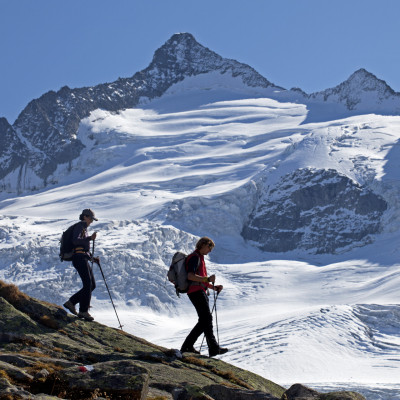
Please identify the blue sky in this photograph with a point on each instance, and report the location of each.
(311, 44)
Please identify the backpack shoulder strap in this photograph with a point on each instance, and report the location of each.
(189, 257)
(193, 283)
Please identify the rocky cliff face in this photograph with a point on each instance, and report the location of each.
(13, 153)
(46, 354)
(321, 211)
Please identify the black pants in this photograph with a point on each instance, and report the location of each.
(81, 264)
(205, 324)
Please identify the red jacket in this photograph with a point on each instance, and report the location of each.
(195, 263)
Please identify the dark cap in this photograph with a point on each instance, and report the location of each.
(89, 213)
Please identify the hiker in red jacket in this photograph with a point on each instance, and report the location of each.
(200, 282)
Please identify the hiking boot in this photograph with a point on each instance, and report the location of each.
(71, 307)
(85, 315)
(189, 350)
(217, 351)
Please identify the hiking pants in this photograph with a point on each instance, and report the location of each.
(205, 324)
(81, 264)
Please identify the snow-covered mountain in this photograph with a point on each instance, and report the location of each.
(49, 124)
(303, 209)
(362, 92)
(45, 132)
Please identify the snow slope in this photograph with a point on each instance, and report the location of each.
(192, 163)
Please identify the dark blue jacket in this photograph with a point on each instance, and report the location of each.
(80, 237)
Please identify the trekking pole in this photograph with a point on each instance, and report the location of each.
(214, 307)
(101, 270)
(104, 278)
(216, 316)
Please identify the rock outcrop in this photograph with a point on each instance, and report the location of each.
(47, 354)
(13, 154)
(320, 211)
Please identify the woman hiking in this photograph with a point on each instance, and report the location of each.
(197, 274)
(80, 260)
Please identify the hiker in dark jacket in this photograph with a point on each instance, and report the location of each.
(197, 274)
(80, 260)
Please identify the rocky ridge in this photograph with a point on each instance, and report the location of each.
(47, 354)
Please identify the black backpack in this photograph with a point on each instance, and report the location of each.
(66, 245)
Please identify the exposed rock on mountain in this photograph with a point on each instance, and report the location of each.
(317, 210)
(47, 354)
(13, 153)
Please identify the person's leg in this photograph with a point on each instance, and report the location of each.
(84, 295)
(199, 300)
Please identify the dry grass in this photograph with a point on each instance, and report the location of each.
(231, 377)
(35, 354)
(29, 342)
(195, 361)
(39, 365)
(58, 349)
(12, 294)
(28, 305)
(228, 375)
(49, 322)
(3, 374)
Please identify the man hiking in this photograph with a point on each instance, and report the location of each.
(197, 275)
(80, 260)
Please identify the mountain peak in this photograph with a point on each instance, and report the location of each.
(363, 72)
(362, 91)
(182, 50)
(365, 80)
(182, 56)
(182, 37)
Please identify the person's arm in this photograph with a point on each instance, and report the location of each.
(203, 279)
(192, 267)
(207, 280)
